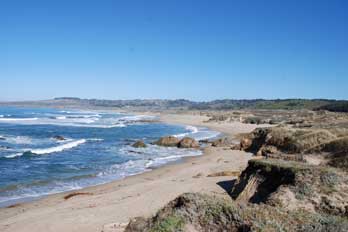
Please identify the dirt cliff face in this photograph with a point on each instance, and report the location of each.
(260, 180)
(293, 185)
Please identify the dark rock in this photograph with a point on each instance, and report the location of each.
(253, 120)
(204, 141)
(245, 143)
(58, 137)
(139, 144)
(168, 141)
(188, 143)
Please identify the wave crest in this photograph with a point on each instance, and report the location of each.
(44, 151)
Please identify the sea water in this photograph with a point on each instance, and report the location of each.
(96, 149)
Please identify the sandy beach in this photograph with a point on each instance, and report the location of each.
(109, 207)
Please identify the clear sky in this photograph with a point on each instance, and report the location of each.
(194, 49)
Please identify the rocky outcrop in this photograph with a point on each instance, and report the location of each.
(188, 143)
(260, 179)
(245, 143)
(58, 137)
(171, 141)
(168, 141)
(139, 144)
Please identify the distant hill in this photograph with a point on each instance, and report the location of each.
(162, 104)
(337, 106)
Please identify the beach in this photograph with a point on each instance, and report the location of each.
(108, 207)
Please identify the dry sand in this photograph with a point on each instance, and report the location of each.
(108, 207)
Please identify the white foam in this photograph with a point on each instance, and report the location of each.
(96, 139)
(1, 116)
(43, 151)
(80, 119)
(154, 156)
(14, 155)
(136, 117)
(58, 148)
(17, 119)
(192, 129)
(18, 139)
(129, 168)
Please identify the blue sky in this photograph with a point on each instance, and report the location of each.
(194, 49)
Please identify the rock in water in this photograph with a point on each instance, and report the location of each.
(139, 144)
(168, 141)
(58, 137)
(188, 143)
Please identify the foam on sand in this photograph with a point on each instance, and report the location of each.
(155, 156)
(198, 133)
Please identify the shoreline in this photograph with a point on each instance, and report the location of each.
(29, 199)
(138, 195)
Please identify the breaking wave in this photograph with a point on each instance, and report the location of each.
(44, 151)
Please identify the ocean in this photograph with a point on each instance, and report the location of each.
(35, 161)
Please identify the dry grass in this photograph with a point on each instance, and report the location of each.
(207, 213)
